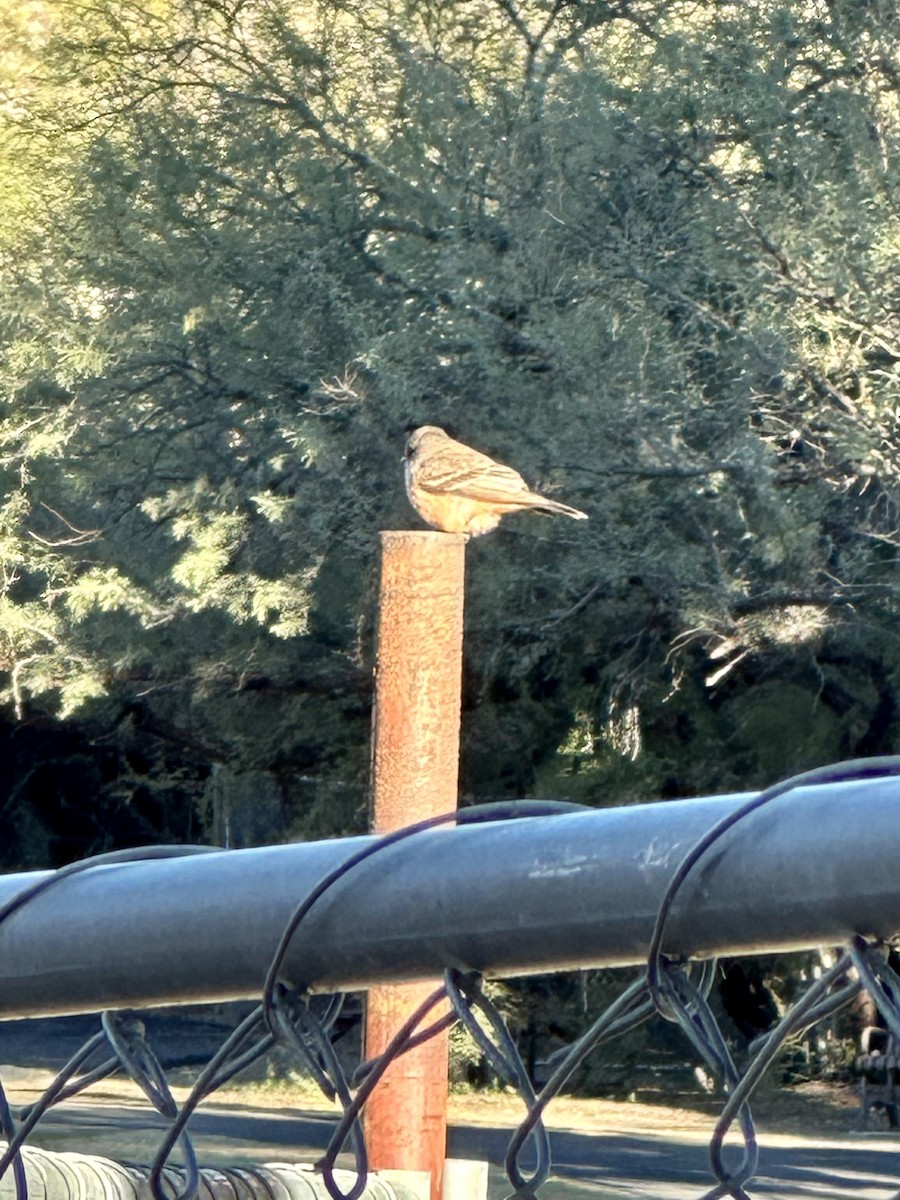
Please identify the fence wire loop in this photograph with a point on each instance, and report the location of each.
(627, 1012)
(691, 1010)
(499, 1047)
(126, 1033)
(301, 1031)
(879, 979)
(813, 1006)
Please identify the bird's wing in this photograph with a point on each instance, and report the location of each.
(473, 475)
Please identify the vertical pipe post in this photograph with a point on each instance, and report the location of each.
(415, 768)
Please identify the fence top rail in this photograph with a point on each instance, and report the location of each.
(546, 893)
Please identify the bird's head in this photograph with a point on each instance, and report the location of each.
(423, 437)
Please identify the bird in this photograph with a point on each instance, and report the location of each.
(460, 490)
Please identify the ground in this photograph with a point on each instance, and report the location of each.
(811, 1110)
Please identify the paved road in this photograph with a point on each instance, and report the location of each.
(677, 1168)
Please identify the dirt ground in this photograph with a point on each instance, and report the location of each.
(811, 1110)
(806, 1110)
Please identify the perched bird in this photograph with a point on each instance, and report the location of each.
(458, 490)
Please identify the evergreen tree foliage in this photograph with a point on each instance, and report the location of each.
(647, 253)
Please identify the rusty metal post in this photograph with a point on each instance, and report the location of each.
(415, 769)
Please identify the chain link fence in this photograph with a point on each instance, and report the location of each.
(300, 1025)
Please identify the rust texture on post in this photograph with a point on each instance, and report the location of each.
(405, 1119)
(415, 767)
(418, 677)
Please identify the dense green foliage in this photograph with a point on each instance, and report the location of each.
(649, 253)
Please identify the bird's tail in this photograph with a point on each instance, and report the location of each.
(556, 506)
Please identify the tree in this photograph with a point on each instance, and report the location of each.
(647, 253)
